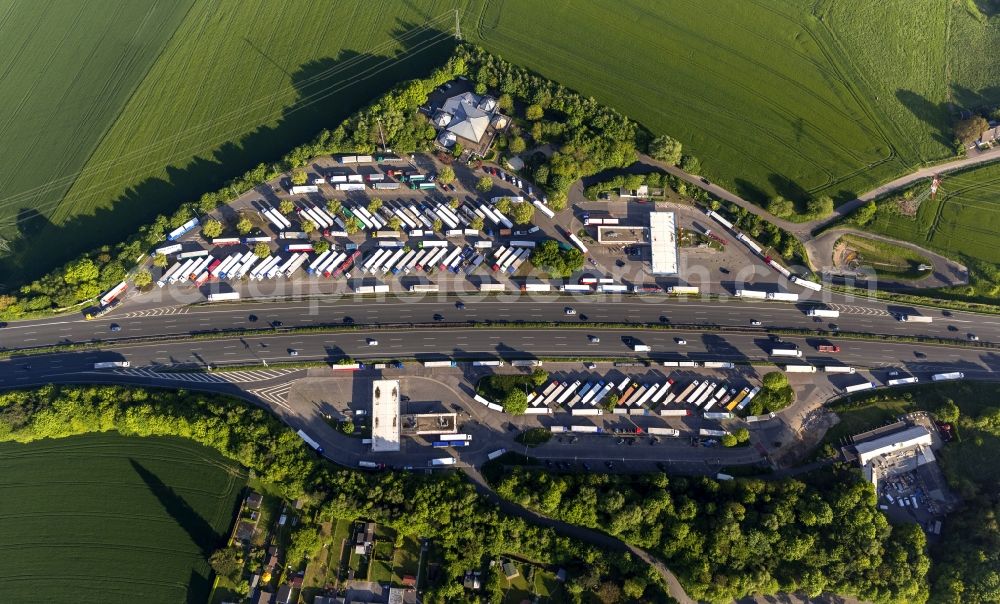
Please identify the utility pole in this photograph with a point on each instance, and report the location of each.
(458, 27)
(380, 135)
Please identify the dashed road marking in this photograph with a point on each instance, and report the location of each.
(156, 312)
(231, 377)
(850, 309)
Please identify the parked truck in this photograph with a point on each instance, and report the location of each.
(310, 441)
(786, 352)
(941, 377)
(442, 461)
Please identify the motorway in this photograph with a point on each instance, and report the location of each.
(436, 342)
(857, 315)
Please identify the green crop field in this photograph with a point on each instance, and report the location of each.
(789, 97)
(229, 84)
(104, 518)
(963, 220)
(118, 112)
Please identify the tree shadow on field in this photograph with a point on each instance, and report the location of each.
(201, 532)
(935, 115)
(198, 588)
(789, 189)
(750, 191)
(329, 90)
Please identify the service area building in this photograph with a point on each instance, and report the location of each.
(385, 415)
(899, 451)
(663, 243)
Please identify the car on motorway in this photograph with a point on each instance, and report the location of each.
(594, 339)
(590, 366)
(919, 355)
(460, 305)
(116, 327)
(681, 341)
(973, 337)
(292, 352)
(372, 342)
(570, 311)
(252, 318)
(438, 317)
(755, 323)
(275, 323)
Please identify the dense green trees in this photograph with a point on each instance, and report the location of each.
(587, 136)
(211, 229)
(666, 149)
(516, 402)
(484, 184)
(726, 540)
(968, 130)
(557, 261)
(503, 205)
(446, 175)
(780, 207)
(142, 278)
(967, 560)
(243, 225)
(262, 250)
(522, 213)
(775, 394)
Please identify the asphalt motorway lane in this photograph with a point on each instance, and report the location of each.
(443, 342)
(856, 315)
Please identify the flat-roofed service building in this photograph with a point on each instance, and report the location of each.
(663, 243)
(385, 415)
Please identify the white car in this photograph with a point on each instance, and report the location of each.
(372, 342)
(594, 339)
(570, 311)
(681, 342)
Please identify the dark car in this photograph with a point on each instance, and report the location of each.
(460, 305)
(116, 327)
(252, 318)
(438, 317)
(275, 323)
(451, 187)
